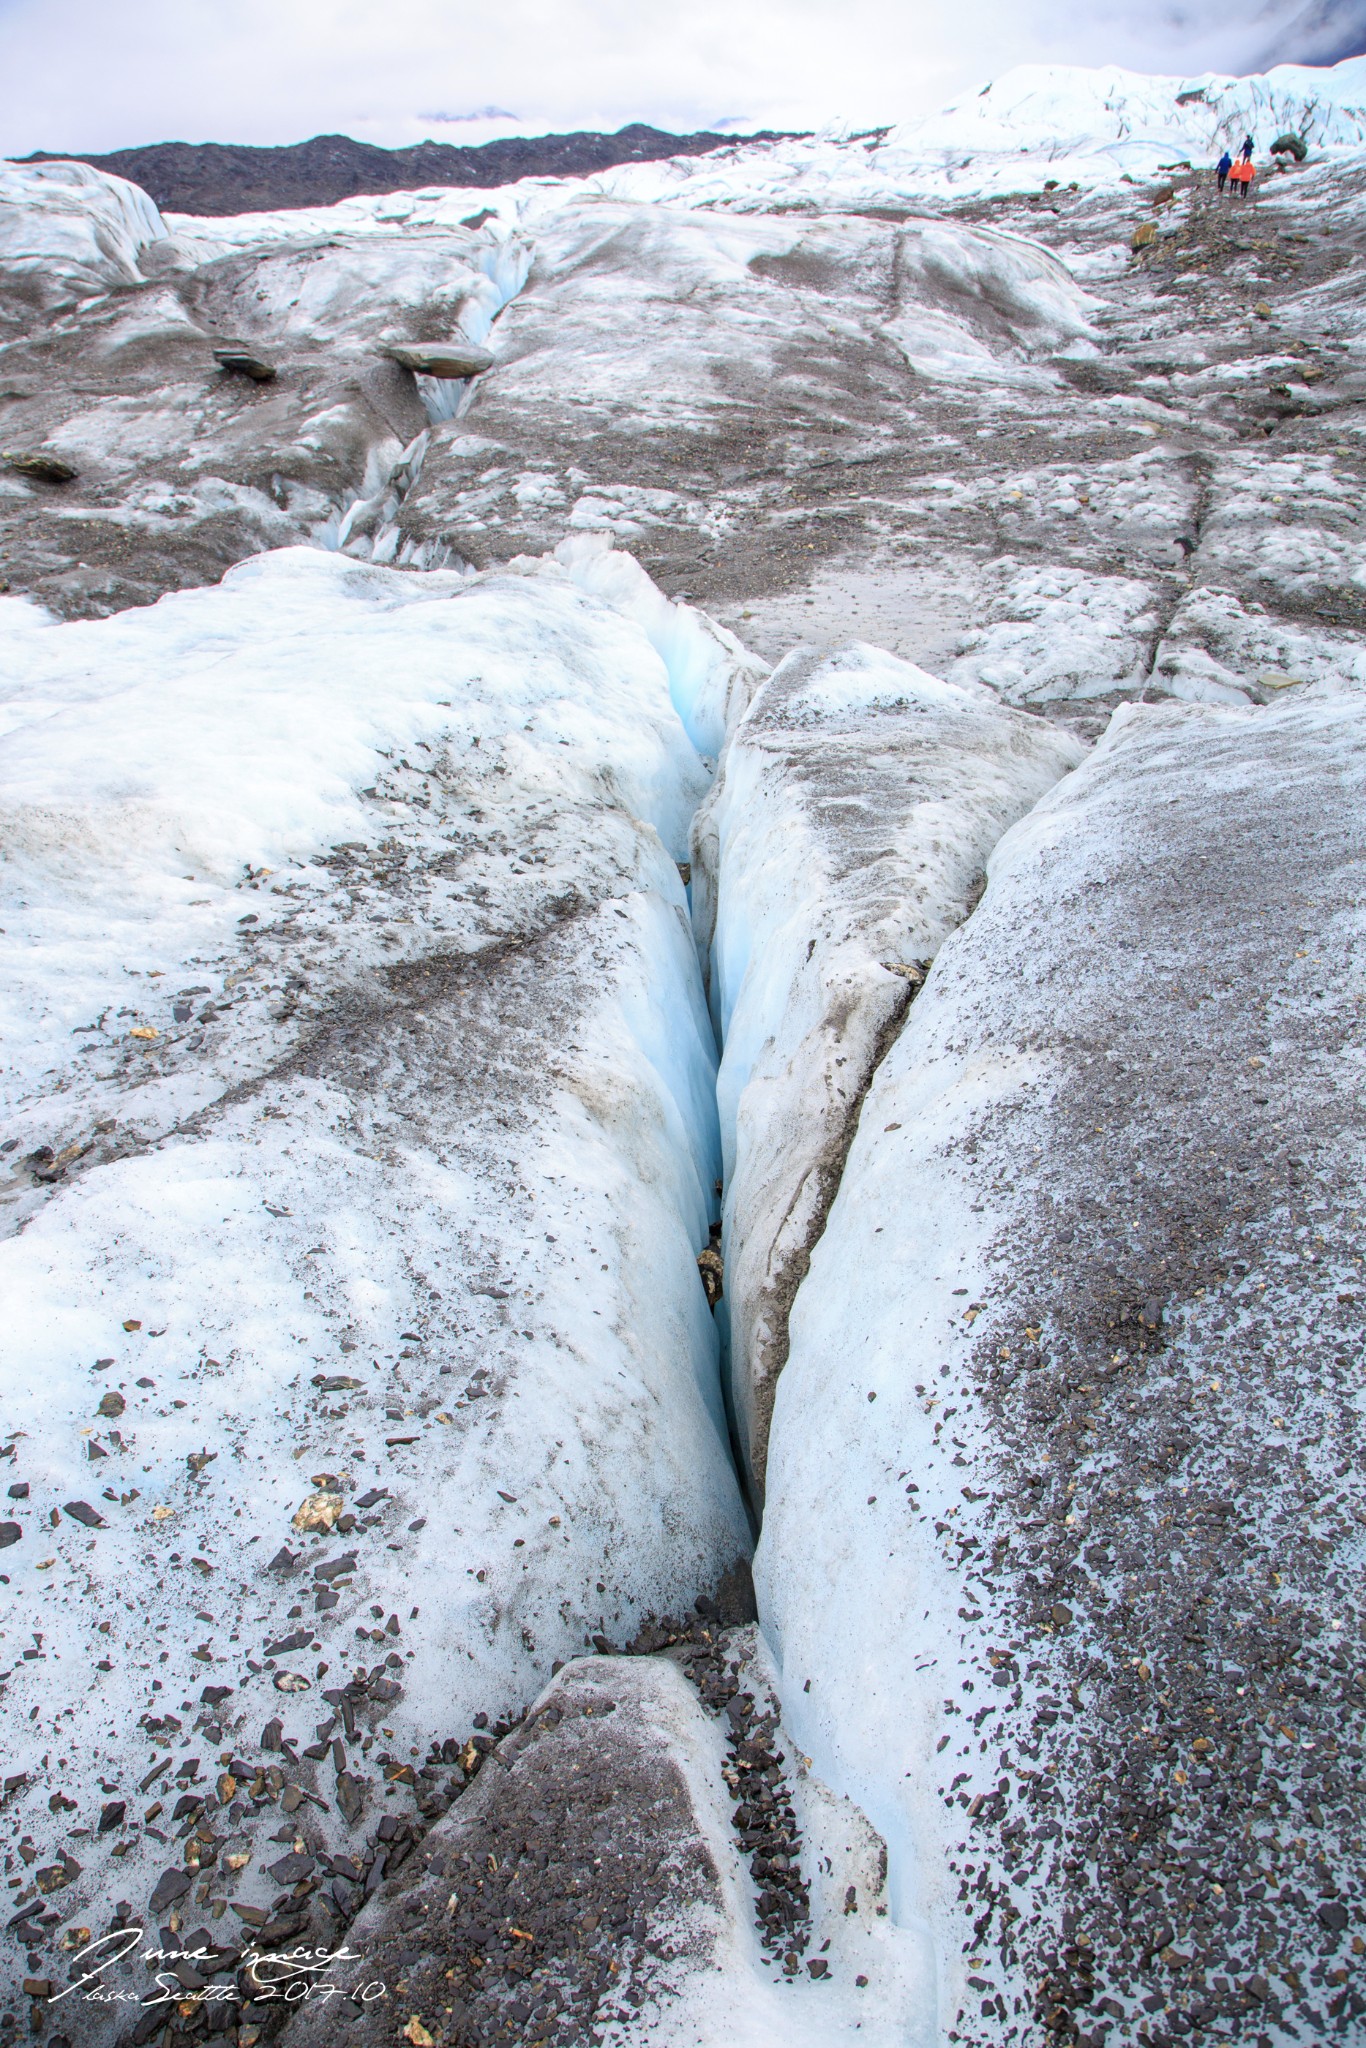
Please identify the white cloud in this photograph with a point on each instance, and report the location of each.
(81, 74)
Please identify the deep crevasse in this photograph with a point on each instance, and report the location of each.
(845, 837)
(366, 526)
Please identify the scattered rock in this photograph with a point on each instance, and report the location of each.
(81, 1511)
(170, 1886)
(40, 468)
(319, 1511)
(242, 362)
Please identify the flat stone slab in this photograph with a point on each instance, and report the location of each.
(41, 468)
(440, 358)
(244, 363)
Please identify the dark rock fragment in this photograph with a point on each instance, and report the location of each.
(170, 1886)
(244, 362)
(298, 1640)
(39, 467)
(335, 1567)
(350, 1796)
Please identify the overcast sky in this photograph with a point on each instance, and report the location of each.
(106, 74)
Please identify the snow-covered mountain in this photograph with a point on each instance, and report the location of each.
(745, 777)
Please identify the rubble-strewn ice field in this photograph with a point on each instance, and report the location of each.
(852, 727)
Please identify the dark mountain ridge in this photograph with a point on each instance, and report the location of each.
(228, 177)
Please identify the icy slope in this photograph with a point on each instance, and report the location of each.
(183, 468)
(1061, 1551)
(842, 842)
(659, 351)
(1061, 110)
(67, 232)
(357, 1323)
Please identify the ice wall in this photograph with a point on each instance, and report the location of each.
(844, 839)
(1073, 1359)
(360, 1091)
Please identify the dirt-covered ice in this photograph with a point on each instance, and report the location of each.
(1061, 1548)
(366, 1093)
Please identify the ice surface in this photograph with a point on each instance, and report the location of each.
(67, 231)
(1082, 1394)
(402, 1198)
(712, 678)
(183, 469)
(616, 1783)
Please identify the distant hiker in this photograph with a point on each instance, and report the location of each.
(1222, 169)
(1246, 151)
(1241, 176)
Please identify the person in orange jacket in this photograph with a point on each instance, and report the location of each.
(1241, 176)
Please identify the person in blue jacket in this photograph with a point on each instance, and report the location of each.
(1222, 169)
(1247, 149)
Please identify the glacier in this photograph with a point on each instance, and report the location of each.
(843, 725)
